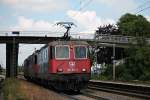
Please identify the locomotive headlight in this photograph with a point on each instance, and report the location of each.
(83, 70)
(59, 70)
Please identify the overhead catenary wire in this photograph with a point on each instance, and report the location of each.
(142, 5)
(85, 5)
(82, 6)
(143, 10)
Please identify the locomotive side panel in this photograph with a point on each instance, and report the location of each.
(28, 67)
(35, 66)
(31, 70)
(43, 59)
(25, 68)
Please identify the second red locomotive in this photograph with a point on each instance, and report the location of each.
(64, 65)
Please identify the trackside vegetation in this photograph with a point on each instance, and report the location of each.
(136, 66)
(11, 90)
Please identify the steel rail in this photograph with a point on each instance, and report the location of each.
(93, 96)
(140, 91)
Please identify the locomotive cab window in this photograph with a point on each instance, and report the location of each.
(80, 52)
(62, 52)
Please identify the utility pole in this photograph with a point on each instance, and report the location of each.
(96, 63)
(114, 67)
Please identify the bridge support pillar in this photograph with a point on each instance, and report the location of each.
(11, 59)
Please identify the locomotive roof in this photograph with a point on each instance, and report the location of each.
(68, 43)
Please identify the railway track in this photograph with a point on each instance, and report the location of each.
(95, 97)
(140, 91)
(83, 95)
(97, 87)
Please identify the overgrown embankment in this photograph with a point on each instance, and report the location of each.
(17, 89)
(11, 90)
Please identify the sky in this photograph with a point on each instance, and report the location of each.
(41, 15)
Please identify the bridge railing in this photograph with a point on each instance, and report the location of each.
(116, 39)
(48, 34)
(31, 33)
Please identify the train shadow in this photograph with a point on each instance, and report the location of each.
(71, 92)
(67, 92)
(51, 88)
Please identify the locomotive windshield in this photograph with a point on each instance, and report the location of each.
(80, 52)
(62, 52)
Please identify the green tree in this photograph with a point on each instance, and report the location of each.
(134, 25)
(137, 65)
(137, 62)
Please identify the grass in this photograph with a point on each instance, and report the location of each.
(11, 90)
(15, 89)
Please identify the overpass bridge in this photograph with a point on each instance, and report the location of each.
(13, 41)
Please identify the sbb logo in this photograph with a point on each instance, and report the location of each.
(71, 63)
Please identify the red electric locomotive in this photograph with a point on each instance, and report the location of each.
(64, 65)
